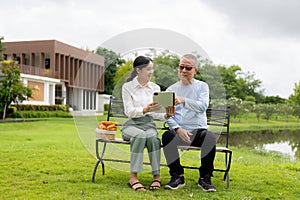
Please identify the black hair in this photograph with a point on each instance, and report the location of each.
(139, 62)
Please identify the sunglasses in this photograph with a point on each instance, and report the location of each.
(187, 68)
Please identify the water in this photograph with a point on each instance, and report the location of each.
(285, 142)
(282, 147)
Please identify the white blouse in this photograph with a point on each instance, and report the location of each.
(136, 97)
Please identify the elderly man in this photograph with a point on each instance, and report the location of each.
(189, 126)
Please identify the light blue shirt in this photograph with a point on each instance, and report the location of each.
(192, 114)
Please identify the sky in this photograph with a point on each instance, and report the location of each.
(261, 36)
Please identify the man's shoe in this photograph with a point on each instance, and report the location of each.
(175, 182)
(206, 185)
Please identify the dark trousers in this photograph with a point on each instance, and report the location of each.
(201, 138)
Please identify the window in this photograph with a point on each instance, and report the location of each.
(47, 63)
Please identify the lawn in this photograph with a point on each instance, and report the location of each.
(51, 160)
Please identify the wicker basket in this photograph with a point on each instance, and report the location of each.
(105, 134)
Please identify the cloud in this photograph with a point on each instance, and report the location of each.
(261, 36)
(267, 17)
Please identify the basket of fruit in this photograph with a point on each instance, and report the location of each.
(106, 130)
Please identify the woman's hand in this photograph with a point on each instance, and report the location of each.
(151, 107)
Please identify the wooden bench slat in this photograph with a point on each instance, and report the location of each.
(116, 140)
(223, 149)
(218, 149)
(181, 147)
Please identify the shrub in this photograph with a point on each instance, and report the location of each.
(62, 108)
(40, 114)
(106, 107)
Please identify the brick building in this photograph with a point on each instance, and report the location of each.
(58, 73)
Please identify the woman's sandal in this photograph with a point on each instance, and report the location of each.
(142, 188)
(155, 187)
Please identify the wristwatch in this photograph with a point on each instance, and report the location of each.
(175, 129)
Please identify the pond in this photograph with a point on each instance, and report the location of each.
(285, 142)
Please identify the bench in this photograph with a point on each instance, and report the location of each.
(218, 119)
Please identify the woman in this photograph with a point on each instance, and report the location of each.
(140, 130)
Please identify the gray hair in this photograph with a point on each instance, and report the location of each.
(192, 58)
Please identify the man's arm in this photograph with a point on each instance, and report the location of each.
(202, 102)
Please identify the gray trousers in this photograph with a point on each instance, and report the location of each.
(139, 139)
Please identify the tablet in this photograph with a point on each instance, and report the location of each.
(164, 99)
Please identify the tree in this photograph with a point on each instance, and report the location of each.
(210, 74)
(230, 81)
(296, 112)
(258, 109)
(274, 100)
(1, 48)
(239, 84)
(269, 110)
(252, 85)
(165, 69)
(250, 98)
(286, 109)
(112, 61)
(121, 77)
(123, 71)
(235, 106)
(295, 98)
(11, 86)
(247, 107)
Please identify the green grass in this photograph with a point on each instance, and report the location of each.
(48, 160)
(251, 123)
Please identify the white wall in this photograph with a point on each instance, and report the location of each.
(49, 88)
(102, 99)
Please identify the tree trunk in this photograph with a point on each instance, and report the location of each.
(4, 111)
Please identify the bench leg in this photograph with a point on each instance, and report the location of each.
(95, 170)
(227, 181)
(227, 165)
(100, 159)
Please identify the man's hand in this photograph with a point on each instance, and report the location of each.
(179, 100)
(170, 111)
(184, 135)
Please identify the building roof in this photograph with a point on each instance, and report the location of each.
(52, 46)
